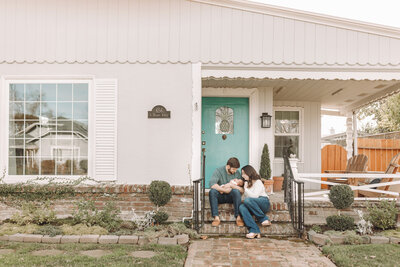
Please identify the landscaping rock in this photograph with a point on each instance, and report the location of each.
(143, 240)
(366, 239)
(320, 239)
(128, 239)
(51, 239)
(394, 240)
(337, 239)
(167, 241)
(4, 237)
(70, 239)
(143, 254)
(96, 253)
(311, 233)
(6, 251)
(16, 238)
(108, 239)
(47, 252)
(379, 240)
(182, 239)
(89, 239)
(33, 238)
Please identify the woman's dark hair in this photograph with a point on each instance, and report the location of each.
(252, 173)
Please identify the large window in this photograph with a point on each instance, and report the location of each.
(287, 131)
(48, 129)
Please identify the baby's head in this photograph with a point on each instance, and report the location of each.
(238, 182)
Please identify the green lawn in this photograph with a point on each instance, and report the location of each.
(167, 255)
(364, 255)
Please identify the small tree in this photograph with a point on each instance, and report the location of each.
(160, 194)
(341, 197)
(265, 166)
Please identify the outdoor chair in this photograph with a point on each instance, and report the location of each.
(355, 164)
(391, 169)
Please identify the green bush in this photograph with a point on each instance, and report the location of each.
(50, 230)
(160, 217)
(265, 165)
(160, 193)
(383, 215)
(32, 213)
(341, 196)
(340, 222)
(317, 229)
(87, 213)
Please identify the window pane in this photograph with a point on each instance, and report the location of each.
(81, 92)
(224, 120)
(15, 129)
(48, 167)
(49, 92)
(47, 142)
(32, 92)
(31, 163)
(15, 165)
(287, 121)
(17, 111)
(64, 92)
(48, 110)
(64, 164)
(81, 110)
(81, 145)
(64, 110)
(16, 92)
(16, 147)
(32, 110)
(80, 166)
(284, 142)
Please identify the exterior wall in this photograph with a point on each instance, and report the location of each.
(185, 31)
(148, 149)
(311, 161)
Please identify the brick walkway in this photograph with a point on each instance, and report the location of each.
(257, 252)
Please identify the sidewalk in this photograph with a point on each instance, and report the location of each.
(256, 252)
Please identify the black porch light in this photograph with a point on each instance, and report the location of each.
(265, 120)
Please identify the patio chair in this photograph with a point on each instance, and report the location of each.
(355, 164)
(391, 169)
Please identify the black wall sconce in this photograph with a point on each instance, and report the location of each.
(265, 120)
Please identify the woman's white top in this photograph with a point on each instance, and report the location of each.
(257, 190)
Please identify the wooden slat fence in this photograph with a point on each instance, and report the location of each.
(378, 151)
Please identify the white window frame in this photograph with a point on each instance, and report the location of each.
(4, 120)
(300, 156)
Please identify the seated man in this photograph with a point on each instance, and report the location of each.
(225, 191)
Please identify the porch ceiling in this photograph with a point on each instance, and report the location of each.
(332, 94)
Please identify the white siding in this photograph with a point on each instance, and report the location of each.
(311, 161)
(178, 31)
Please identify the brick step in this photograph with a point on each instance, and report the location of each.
(227, 215)
(229, 228)
(274, 205)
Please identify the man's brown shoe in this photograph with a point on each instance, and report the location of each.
(239, 221)
(216, 222)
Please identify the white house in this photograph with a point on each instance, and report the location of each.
(215, 65)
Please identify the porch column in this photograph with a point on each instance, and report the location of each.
(349, 135)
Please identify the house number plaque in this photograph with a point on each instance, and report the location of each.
(159, 112)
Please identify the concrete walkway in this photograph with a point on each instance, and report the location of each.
(256, 252)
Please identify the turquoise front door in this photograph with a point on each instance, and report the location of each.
(225, 131)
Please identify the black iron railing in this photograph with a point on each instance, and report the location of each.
(199, 196)
(294, 196)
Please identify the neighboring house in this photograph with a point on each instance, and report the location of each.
(216, 66)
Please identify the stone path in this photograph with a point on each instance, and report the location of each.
(256, 252)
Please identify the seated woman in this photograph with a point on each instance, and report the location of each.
(256, 202)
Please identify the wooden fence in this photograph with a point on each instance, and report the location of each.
(378, 151)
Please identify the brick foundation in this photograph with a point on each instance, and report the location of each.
(127, 197)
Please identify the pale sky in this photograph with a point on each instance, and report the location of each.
(384, 12)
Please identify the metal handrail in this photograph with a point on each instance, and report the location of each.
(294, 196)
(199, 193)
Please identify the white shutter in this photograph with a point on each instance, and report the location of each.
(105, 132)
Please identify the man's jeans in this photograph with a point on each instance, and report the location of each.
(256, 206)
(217, 198)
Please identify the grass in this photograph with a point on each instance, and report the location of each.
(167, 255)
(364, 255)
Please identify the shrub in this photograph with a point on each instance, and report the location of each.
(160, 217)
(341, 196)
(317, 229)
(50, 230)
(351, 238)
(265, 165)
(340, 222)
(383, 215)
(34, 213)
(160, 193)
(87, 213)
(11, 228)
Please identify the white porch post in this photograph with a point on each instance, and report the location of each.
(349, 135)
(355, 133)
